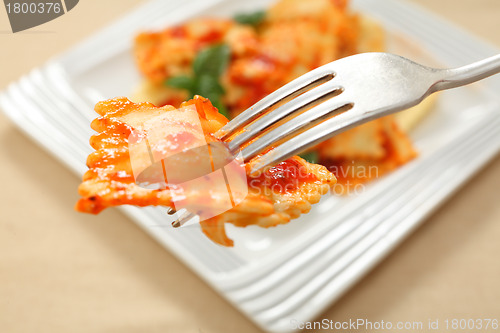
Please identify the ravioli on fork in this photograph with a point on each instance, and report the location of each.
(277, 195)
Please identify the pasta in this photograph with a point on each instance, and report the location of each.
(275, 196)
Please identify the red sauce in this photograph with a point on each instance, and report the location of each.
(180, 141)
(213, 36)
(121, 176)
(283, 177)
(178, 32)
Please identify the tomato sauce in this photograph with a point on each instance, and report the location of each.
(284, 177)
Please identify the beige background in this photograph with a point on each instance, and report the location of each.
(61, 271)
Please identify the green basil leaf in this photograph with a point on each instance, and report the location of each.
(181, 82)
(253, 19)
(208, 66)
(310, 156)
(209, 87)
(212, 60)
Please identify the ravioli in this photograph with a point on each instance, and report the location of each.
(275, 196)
(365, 153)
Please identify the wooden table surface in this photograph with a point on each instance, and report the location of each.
(61, 271)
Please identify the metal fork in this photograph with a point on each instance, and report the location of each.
(334, 98)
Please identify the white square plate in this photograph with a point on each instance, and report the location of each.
(294, 271)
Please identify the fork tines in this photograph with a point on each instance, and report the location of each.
(288, 113)
(274, 100)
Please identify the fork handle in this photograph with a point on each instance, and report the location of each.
(457, 77)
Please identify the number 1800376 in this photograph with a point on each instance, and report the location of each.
(471, 324)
